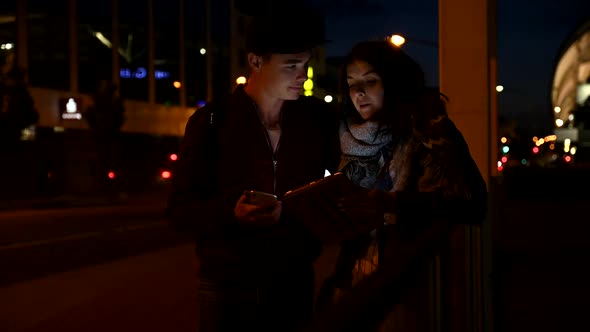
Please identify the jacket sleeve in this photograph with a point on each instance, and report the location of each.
(193, 206)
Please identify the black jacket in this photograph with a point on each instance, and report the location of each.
(219, 160)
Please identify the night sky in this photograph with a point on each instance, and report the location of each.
(530, 37)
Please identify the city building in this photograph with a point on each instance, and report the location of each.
(570, 94)
(166, 57)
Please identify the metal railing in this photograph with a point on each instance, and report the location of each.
(367, 305)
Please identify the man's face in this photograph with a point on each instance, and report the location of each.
(283, 74)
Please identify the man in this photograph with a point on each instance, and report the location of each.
(256, 261)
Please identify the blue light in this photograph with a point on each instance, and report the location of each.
(141, 73)
(161, 74)
(125, 73)
(201, 103)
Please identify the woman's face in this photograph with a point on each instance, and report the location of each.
(365, 88)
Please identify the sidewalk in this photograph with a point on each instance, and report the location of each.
(149, 292)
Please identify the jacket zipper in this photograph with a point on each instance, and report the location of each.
(274, 159)
(274, 153)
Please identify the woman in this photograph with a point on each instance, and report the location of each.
(398, 141)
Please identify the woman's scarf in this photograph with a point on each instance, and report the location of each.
(364, 151)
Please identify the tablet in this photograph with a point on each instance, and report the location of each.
(335, 185)
(315, 205)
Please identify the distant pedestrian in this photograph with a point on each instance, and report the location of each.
(17, 110)
(105, 118)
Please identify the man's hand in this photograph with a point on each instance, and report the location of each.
(265, 214)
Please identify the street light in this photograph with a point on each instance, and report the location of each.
(397, 40)
(241, 80)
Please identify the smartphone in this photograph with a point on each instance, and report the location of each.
(259, 197)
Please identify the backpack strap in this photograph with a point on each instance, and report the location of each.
(216, 111)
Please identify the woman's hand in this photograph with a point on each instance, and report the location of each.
(367, 204)
(369, 207)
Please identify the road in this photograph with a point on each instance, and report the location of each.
(540, 251)
(35, 243)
